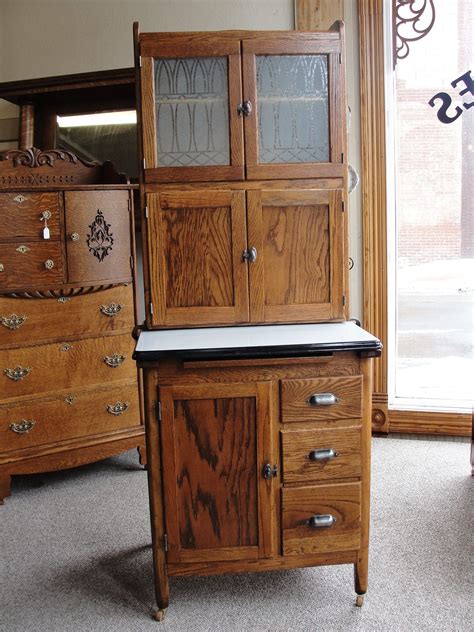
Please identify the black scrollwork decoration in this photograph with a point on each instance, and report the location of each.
(412, 20)
(100, 240)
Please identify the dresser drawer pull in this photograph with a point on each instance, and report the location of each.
(74, 236)
(321, 521)
(23, 427)
(113, 309)
(323, 399)
(49, 264)
(322, 455)
(118, 408)
(13, 321)
(114, 360)
(18, 373)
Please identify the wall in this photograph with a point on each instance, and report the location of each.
(72, 36)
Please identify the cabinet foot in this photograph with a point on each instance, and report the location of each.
(5, 480)
(159, 614)
(359, 601)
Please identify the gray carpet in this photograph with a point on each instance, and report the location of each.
(75, 555)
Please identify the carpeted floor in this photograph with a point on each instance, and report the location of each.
(75, 556)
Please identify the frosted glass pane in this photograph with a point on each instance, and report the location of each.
(192, 112)
(293, 108)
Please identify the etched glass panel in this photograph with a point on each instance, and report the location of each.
(192, 112)
(293, 108)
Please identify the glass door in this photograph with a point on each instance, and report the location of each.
(191, 90)
(294, 115)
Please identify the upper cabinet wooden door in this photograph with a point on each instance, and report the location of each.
(299, 270)
(294, 85)
(197, 275)
(216, 441)
(98, 236)
(190, 92)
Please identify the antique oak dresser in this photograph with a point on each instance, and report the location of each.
(69, 392)
(258, 435)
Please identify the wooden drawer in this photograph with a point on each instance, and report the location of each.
(296, 397)
(28, 321)
(301, 504)
(31, 264)
(21, 215)
(68, 416)
(66, 365)
(310, 455)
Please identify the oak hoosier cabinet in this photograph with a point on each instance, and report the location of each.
(258, 436)
(69, 391)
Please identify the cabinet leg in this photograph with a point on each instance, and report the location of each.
(361, 578)
(142, 456)
(159, 614)
(5, 480)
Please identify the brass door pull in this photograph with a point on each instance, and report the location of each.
(49, 264)
(111, 310)
(118, 408)
(18, 373)
(13, 321)
(74, 237)
(114, 360)
(23, 427)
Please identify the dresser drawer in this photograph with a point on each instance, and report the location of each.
(31, 264)
(28, 321)
(46, 368)
(321, 398)
(322, 454)
(22, 214)
(68, 416)
(321, 519)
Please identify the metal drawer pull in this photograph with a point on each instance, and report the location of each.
(46, 214)
(269, 471)
(114, 360)
(323, 399)
(49, 264)
(13, 321)
(70, 399)
(23, 427)
(321, 521)
(112, 309)
(74, 237)
(322, 455)
(118, 408)
(250, 255)
(18, 373)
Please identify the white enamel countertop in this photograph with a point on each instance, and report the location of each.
(250, 336)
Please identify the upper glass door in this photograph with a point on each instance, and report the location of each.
(293, 87)
(191, 88)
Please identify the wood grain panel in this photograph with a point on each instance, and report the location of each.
(51, 319)
(192, 44)
(196, 270)
(317, 15)
(297, 445)
(339, 500)
(210, 473)
(56, 366)
(295, 394)
(28, 269)
(101, 219)
(60, 417)
(21, 216)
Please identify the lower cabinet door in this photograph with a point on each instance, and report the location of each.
(216, 441)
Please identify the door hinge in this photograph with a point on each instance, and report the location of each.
(146, 212)
(344, 300)
(343, 206)
(132, 263)
(158, 410)
(151, 308)
(340, 58)
(144, 163)
(342, 157)
(140, 60)
(165, 542)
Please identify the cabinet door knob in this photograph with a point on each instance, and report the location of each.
(49, 264)
(323, 399)
(269, 471)
(250, 255)
(244, 108)
(74, 237)
(322, 455)
(320, 521)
